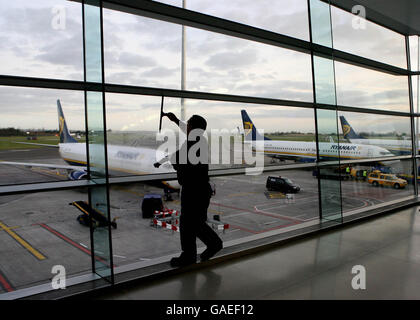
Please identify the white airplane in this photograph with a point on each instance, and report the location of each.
(397, 147)
(133, 160)
(306, 151)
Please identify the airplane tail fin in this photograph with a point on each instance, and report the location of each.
(65, 136)
(348, 131)
(250, 131)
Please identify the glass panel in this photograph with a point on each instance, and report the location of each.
(414, 52)
(375, 184)
(375, 136)
(98, 196)
(29, 125)
(93, 41)
(96, 134)
(364, 88)
(328, 146)
(324, 80)
(41, 39)
(101, 232)
(321, 23)
(214, 62)
(329, 177)
(39, 233)
(417, 162)
(354, 34)
(415, 86)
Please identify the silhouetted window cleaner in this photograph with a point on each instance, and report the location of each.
(192, 173)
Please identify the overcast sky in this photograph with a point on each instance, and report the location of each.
(146, 52)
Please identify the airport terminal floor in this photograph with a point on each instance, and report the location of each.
(382, 254)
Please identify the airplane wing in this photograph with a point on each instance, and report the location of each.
(39, 144)
(43, 165)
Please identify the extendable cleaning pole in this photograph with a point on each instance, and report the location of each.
(161, 115)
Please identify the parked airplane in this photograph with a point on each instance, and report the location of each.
(306, 151)
(397, 147)
(133, 160)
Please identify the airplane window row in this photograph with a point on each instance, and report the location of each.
(293, 149)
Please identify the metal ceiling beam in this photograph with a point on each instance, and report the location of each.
(402, 16)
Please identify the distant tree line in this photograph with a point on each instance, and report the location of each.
(278, 133)
(386, 134)
(6, 132)
(363, 134)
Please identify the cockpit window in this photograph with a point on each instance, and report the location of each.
(385, 153)
(167, 165)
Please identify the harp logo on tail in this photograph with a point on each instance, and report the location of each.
(61, 124)
(346, 129)
(248, 127)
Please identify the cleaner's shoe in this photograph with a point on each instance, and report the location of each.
(210, 252)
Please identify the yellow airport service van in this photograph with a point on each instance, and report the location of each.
(377, 178)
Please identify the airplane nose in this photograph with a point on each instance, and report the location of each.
(173, 184)
(389, 162)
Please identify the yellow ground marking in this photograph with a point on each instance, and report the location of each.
(276, 196)
(11, 228)
(26, 245)
(215, 211)
(50, 172)
(77, 161)
(272, 195)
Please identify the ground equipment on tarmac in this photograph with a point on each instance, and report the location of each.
(97, 217)
(150, 204)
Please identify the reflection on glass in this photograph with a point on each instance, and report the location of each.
(321, 23)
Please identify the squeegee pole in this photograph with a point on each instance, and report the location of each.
(161, 114)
